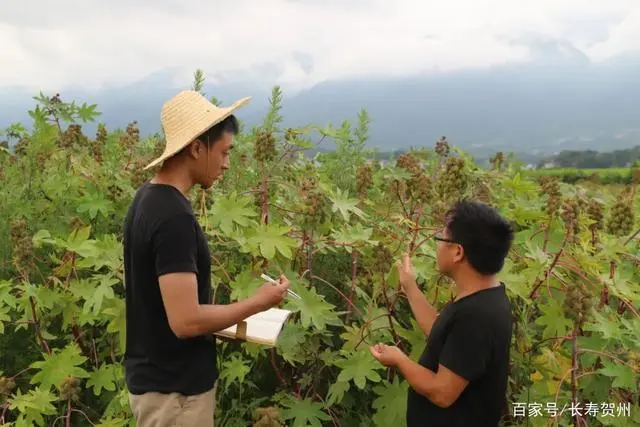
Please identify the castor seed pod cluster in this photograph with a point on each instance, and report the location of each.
(265, 146)
(70, 389)
(578, 301)
(364, 178)
(621, 219)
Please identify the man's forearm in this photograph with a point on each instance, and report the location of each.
(213, 318)
(422, 380)
(424, 312)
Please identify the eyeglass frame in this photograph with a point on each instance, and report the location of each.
(443, 239)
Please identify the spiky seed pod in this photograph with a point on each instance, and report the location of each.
(265, 146)
(70, 389)
(577, 301)
(76, 222)
(453, 181)
(595, 212)
(101, 134)
(364, 178)
(6, 387)
(409, 163)
(101, 141)
(550, 186)
(442, 147)
(73, 137)
(383, 258)
(41, 160)
(114, 192)
(419, 187)
(267, 417)
(621, 218)
(131, 137)
(316, 207)
(570, 212)
(398, 187)
(139, 175)
(633, 356)
(21, 146)
(496, 161)
(21, 243)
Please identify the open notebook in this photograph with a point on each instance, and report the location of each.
(261, 328)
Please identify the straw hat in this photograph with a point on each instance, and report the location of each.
(186, 116)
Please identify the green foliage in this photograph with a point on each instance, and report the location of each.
(334, 226)
(603, 176)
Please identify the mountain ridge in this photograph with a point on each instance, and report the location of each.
(537, 108)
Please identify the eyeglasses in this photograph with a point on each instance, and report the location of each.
(438, 237)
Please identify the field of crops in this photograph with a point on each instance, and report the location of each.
(335, 227)
(599, 176)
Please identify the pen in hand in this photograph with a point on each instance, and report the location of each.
(275, 282)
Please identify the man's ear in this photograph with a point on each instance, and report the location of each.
(458, 253)
(195, 149)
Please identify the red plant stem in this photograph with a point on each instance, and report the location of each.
(20, 373)
(539, 282)
(628, 305)
(95, 352)
(366, 335)
(404, 208)
(633, 236)
(36, 324)
(285, 210)
(347, 300)
(394, 334)
(77, 337)
(276, 368)
(604, 295)
(412, 245)
(68, 424)
(574, 363)
(546, 234)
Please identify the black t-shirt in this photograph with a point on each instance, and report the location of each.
(471, 337)
(162, 235)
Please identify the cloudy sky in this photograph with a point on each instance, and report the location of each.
(51, 44)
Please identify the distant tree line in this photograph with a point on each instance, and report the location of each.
(591, 159)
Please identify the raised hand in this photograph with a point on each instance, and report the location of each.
(406, 274)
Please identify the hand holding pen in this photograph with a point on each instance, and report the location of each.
(275, 282)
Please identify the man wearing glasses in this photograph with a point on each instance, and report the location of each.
(461, 377)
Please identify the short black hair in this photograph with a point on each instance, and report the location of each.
(485, 235)
(229, 124)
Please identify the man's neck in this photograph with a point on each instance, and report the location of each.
(471, 282)
(175, 177)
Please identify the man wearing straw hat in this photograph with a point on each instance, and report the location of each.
(170, 357)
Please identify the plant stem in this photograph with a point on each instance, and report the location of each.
(538, 281)
(574, 364)
(354, 271)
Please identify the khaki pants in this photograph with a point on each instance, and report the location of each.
(165, 410)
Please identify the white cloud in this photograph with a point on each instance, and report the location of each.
(48, 45)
